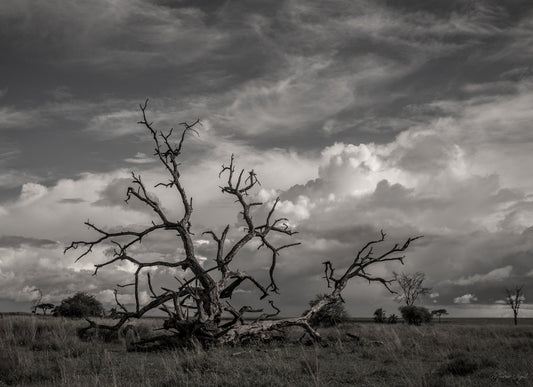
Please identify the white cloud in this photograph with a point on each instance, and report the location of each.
(498, 274)
(140, 158)
(58, 211)
(297, 211)
(465, 299)
(31, 192)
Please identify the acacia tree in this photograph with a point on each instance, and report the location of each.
(204, 291)
(411, 287)
(80, 305)
(514, 300)
(44, 307)
(439, 313)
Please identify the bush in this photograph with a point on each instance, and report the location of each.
(415, 314)
(80, 305)
(331, 315)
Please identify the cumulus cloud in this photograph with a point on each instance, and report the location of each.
(344, 197)
(465, 299)
(61, 209)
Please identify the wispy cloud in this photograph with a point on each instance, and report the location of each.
(498, 274)
(140, 158)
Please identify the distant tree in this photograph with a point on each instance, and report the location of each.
(80, 305)
(36, 301)
(330, 315)
(514, 300)
(392, 319)
(439, 312)
(415, 314)
(44, 307)
(411, 287)
(379, 315)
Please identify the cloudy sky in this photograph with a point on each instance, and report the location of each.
(411, 116)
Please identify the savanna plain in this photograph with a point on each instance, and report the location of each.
(46, 351)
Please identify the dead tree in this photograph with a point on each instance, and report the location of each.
(514, 300)
(196, 304)
(411, 287)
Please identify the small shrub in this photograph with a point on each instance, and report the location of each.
(415, 314)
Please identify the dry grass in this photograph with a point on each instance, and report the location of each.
(46, 351)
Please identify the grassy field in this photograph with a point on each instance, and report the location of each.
(45, 351)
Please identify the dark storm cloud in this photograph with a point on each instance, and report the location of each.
(226, 52)
(113, 43)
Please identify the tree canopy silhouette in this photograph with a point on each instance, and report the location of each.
(80, 305)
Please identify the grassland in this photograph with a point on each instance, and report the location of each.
(46, 351)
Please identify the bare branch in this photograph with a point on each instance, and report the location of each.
(411, 287)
